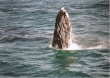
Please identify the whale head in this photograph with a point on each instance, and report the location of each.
(62, 37)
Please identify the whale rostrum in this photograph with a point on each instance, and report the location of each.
(62, 37)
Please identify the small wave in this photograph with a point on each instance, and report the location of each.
(21, 34)
(97, 47)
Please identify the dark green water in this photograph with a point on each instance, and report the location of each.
(26, 29)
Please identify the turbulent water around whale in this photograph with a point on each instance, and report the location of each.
(27, 28)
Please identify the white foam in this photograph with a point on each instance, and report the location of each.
(74, 46)
(97, 47)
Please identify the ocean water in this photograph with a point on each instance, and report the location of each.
(26, 31)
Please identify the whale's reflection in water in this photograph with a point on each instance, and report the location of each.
(69, 62)
(64, 59)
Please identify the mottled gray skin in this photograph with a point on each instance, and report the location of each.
(63, 31)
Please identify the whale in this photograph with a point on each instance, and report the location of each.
(65, 39)
(62, 36)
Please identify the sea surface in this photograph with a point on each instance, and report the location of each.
(26, 31)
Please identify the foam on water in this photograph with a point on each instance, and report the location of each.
(75, 46)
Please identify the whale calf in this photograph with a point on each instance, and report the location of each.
(63, 36)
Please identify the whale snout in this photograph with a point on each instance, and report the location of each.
(63, 9)
(63, 12)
